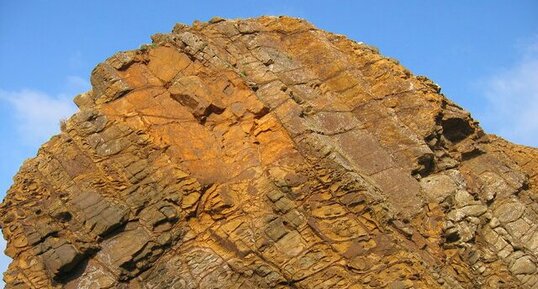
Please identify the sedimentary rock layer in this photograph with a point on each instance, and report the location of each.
(265, 153)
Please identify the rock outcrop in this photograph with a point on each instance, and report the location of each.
(265, 153)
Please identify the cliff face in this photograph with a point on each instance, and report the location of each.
(266, 153)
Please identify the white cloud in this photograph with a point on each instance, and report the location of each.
(4, 260)
(37, 114)
(511, 109)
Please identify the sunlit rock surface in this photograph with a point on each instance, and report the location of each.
(265, 153)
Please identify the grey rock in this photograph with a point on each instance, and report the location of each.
(438, 187)
(523, 265)
(509, 212)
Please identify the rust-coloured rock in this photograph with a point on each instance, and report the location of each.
(265, 153)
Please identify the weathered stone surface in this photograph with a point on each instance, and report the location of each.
(524, 265)
(265, 153)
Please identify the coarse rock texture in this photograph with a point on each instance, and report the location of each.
(265, 153)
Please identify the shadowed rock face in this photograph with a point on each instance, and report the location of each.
(266, 153)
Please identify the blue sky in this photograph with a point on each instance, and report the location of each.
(483, 53)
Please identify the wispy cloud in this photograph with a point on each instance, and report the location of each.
(511, 108)
(4, 260)
(37, 114)
(76, 84)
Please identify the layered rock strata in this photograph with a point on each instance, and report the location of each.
(265, 153)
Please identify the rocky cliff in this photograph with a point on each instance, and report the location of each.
(265, 153)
